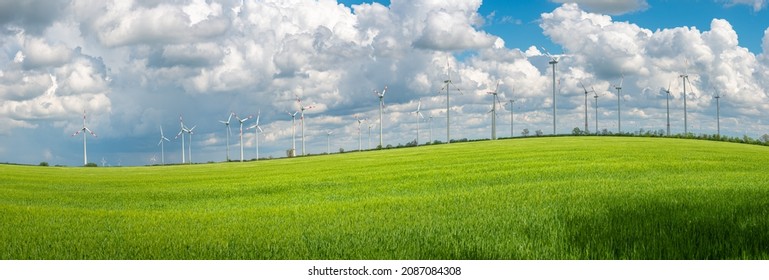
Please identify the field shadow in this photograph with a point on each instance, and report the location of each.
(671, 231)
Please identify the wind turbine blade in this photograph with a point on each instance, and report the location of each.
(383, 91)
(622, 79)
(546, 52)
(89, 131)
(77, 132)
(258, 114)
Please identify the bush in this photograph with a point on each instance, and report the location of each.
(43, 163)
(91, 164)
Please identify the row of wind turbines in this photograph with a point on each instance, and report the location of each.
(448, 87)
(684, 80)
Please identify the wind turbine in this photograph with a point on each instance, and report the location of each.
(667, 106)
(162, 149)
(381, 107)
(619, 112)
(301, 118)
(370, 126)
(293, 129)
(430, 124)
(189, 146)
(685, 77)
(83, 130)
(241, 121)
(718, 111)
(328, 142)
(586, 92)
(103, 162)
(596, 109)
(360, 148)
(418, 115)
(494, 101)
(227, 124)
(257, 129)
(447, 86)
(512, 117)
(181, 133)
(553, 62)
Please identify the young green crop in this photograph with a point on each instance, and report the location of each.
(533, 198)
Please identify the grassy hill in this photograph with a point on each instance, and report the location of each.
(533, 198)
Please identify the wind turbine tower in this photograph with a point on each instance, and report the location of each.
(586, 92)
(360, 146)
(162, 150)
(301, 117)
(381, 107)
(370, 126)
(596, 109)
(512, 117)
(181, 133)
(667, 106)
(293, 129)
(619, 96)
(257, 130)
(84, 130)
(189, 146)
(447, 86)
(227, 124)
(241, 121)
(553, 62)
(418, 115)
(328, 142)
(685, 78)
(718, 111)
(494, 101)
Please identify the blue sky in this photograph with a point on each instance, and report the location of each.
(136, 66)
(517, 22)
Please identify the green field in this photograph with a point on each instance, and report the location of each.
(533, 198)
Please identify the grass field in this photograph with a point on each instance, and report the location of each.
(533, 198)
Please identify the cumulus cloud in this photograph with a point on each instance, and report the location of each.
(615, 7)
(33, 15)
(136, 65)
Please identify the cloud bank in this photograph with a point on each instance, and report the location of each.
(136, 65)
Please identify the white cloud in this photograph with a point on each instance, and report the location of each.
(614, 7)
(756, 4)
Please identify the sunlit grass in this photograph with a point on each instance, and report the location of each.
(535, 198)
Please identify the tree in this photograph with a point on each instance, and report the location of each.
(43, 163)
(765, 138)
(576, 131)
(539, 132)
(525, 132)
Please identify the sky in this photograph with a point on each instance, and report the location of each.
(136, 66)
